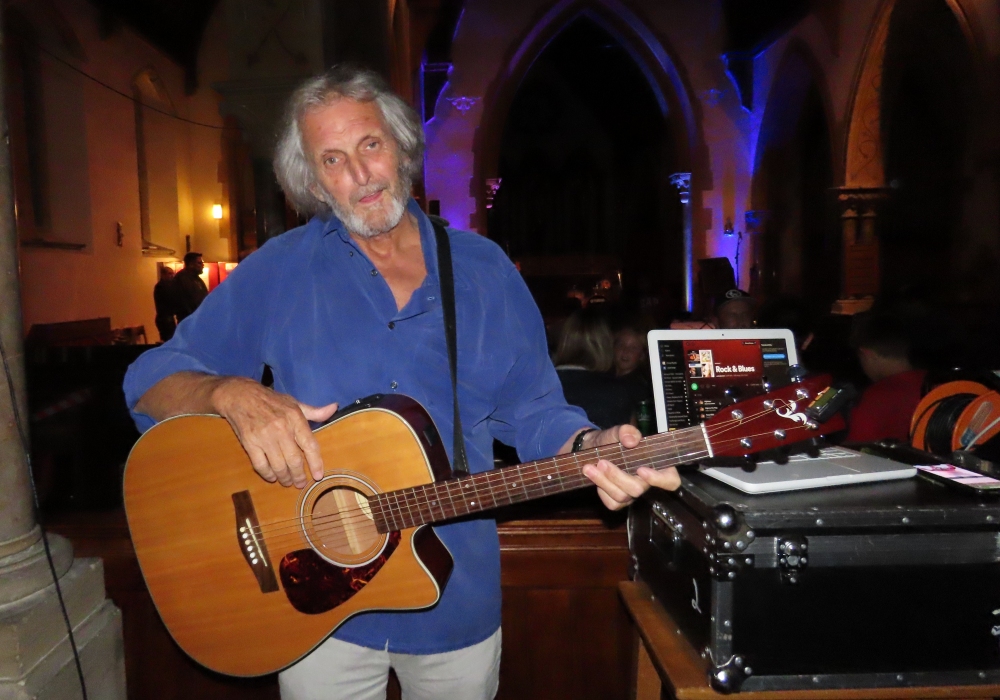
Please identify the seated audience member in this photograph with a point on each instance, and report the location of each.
(886, 407)
(734, 309)
(631, 365)
(583, 359)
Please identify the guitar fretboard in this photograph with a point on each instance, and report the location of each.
(445, 500)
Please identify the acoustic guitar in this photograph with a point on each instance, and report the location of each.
(250, 576)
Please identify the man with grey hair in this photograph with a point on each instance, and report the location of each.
(350, 305)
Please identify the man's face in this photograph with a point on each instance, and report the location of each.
(737, 313)
(629, 351)
(356, 163)
(198, 265)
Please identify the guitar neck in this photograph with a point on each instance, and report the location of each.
(445, 500)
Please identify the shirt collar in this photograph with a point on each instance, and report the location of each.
(428, 241)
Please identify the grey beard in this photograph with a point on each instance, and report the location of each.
(398, 197)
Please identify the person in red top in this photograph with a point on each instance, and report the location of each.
(886, 407)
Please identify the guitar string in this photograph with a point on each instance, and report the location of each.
(641, 451)
(339, 537)
(648, 451)
(670, 440)
(566, 482)
(493, 481)
(532, 482)
(412, 502)
(482, 479)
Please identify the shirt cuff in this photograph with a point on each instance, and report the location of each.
(151, 367)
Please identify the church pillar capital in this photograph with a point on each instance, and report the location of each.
(859, 209)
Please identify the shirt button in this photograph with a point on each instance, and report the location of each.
(351, 253)
(393, 385)
(374, 272)
(392, 324)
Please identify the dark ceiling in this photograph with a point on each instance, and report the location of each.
(176, 27)
(173, 26)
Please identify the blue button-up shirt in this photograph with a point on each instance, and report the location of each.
(312, 306)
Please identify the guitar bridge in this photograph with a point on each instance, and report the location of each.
(251, 542)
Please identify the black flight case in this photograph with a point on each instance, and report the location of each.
(880, 585)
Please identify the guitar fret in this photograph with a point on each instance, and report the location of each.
(437, 498)
(451, 499)
(628, 468)
(503, 478)
(392, 503)
(543, 480)
(409, 508)
(480, 503)
(423, 504)
(496, 497)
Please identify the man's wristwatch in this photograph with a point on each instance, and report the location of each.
(578, 443)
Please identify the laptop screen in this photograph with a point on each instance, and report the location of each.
(695, 373)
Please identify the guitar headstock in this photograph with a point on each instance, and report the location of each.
(773, 420)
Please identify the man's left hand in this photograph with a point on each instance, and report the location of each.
(616, 488)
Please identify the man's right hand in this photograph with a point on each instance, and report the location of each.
(273, 429)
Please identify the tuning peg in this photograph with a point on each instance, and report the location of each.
(797, 373)
(733, 394)
(780, 455)
(813, 447)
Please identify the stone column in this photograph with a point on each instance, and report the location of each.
(859, 208)
(19, 534)
(36, 659)
(682, 181)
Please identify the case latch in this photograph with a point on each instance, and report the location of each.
(792, 559)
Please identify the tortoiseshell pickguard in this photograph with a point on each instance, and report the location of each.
(314, 585)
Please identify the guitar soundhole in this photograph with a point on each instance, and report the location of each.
(339, 523)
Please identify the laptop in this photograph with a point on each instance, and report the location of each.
(693, 369)
(835, 466)
(696, 372)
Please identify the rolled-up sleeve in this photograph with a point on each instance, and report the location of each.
(532, 414)
(223, 337)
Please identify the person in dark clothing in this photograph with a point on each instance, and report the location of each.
(163, 300)
(189, 289)
(631, 366)
(583, 360)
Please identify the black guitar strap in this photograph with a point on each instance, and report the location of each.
(460, 465)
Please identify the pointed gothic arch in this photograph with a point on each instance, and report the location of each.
(793, 242)
(632, 33)
(865, 194)
(864, 165)
(657, 64)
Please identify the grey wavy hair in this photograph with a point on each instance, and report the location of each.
(291, 165)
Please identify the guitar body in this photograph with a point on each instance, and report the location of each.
(249, 576)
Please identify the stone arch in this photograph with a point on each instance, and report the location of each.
(864, 165)
(643, 45)
(798, 70)
(793, 172)
(864, 191)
